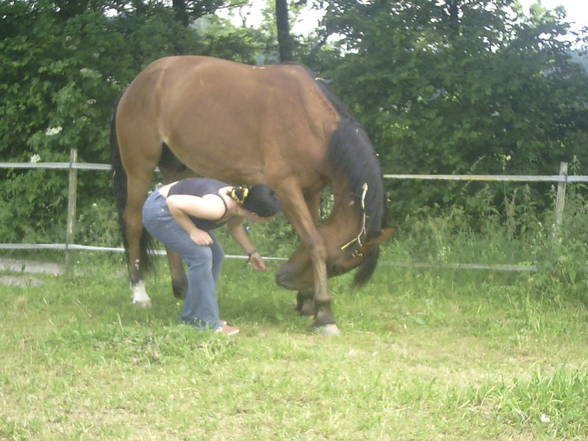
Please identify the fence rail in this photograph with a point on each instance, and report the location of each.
(57, 165)
(494, 178)
(562, 179)
(489, 178)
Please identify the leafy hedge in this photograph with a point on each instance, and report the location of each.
(442, 87)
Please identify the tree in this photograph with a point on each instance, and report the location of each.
(285, 42)
(461, 86)
(63, 67)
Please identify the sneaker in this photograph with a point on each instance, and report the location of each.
(227, 330)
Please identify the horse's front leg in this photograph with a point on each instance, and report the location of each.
(323, 318)
(305, 298)
(299, 214)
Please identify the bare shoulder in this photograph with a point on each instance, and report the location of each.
(203, 207)
(164, 189)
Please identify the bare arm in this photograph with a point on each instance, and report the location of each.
(181, 206)
(238, 232)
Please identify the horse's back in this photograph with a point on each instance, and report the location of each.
(233, 121)
(194, 74)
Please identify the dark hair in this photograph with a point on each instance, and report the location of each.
(262, 201)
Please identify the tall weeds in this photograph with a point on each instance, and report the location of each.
(514, 230)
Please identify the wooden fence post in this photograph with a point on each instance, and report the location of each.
(72, 192)
(560, 200)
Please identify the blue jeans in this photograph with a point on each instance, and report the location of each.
(204, 262)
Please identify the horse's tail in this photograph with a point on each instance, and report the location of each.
(119, 177)
(119, 184)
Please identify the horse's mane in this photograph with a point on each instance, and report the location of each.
(352, 155)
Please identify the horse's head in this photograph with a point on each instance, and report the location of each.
(342, 256)
(351, 236)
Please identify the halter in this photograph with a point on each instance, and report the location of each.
(362, 231)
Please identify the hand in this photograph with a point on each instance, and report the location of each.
(257, 262)
(201, 237)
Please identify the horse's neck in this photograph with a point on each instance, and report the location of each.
(345, 216)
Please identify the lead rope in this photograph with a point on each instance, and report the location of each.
(363, 221)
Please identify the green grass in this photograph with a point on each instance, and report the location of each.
(425, 355)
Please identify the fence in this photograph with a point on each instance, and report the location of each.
(73, 166)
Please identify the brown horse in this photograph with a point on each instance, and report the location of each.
(273, 125)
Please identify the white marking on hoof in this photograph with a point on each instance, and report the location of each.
(140, 297)
(142, 303)
(329, 330)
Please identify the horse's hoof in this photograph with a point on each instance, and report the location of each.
(142, 304)
(180, 289)
(330, 330)
(305, 311)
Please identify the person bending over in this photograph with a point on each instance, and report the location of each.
(183, 214)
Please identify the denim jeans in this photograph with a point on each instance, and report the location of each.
(204, 262)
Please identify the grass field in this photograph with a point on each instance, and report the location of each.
(425, 355)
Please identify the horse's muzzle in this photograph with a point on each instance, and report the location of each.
(289, 279)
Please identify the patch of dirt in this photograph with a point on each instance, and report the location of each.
(22, 281)
(29, 266)
(25, 269)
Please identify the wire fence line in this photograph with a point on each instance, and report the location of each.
(456, 266)
(73, 247)
(562, 179)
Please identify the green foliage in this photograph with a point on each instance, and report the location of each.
(96, 224)
(459, 87)
(562, 253)
(63, 68)
(522, 233)
(442, 87)
(58, 94)
(35, 206)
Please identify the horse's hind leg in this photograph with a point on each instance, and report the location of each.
(138, 145)
(137, 187)
(139, 166)
(178, 274)
(173, 170)
(305, 302)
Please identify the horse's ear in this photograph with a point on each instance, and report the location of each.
(384, 236)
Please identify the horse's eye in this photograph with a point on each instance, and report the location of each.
(334, 269)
